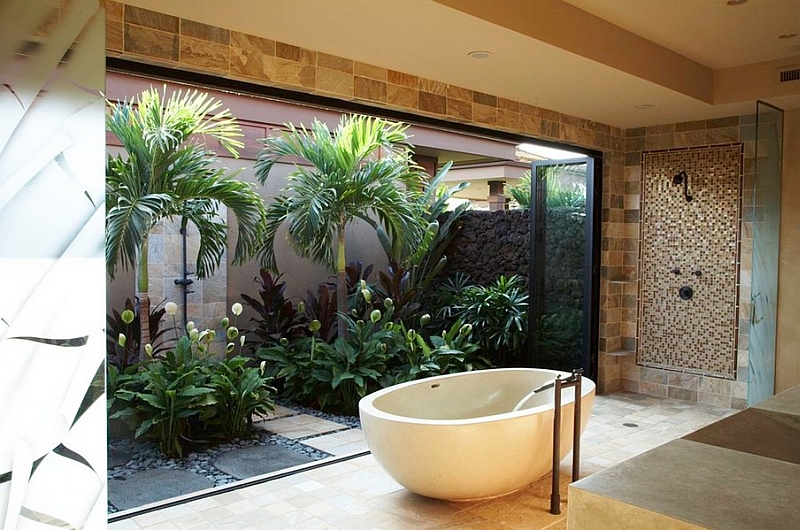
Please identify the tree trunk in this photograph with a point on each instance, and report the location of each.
(144, 321)
(341, 286)
(142, 282)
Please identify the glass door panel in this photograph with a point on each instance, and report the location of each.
(563, 265)
(766, 230)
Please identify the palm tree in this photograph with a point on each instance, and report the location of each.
(168, 172)
(563, 183)
(361, 171)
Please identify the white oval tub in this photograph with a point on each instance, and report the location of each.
(456, 437)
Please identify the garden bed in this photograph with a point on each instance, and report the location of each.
(128, 458)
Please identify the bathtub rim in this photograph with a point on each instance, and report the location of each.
(366, 404)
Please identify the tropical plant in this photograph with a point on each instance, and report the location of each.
(395, 285)
(290, 364)
(127, 324)
(450, 352)
(173, 390)
(563, 187)
(426, 259)
(499, 315)
(379, 351)
(240, 392)
(357, 277)
(322, 307)
(361, 170)
(444, 296)
(346, 373)
(276, 316)
(190, 391)
(167, 172)
(559, 338)
(521, 193)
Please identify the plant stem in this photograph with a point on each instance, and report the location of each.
(341, 282)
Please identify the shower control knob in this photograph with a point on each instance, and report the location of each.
(697, 273)
(675, 271)
(686, 292)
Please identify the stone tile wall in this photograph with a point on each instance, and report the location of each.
(733, 130)
(156, 38)
(680, 238)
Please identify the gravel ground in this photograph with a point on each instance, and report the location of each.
(145, 455)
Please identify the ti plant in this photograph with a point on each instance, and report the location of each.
(276, 316)
(126, 323)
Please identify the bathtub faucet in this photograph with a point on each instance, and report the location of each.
(577, 373)
(573, 380)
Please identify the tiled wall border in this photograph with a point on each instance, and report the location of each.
(157, 38)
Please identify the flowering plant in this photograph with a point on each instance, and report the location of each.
(188, 390)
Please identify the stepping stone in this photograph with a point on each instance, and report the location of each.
(154, 485)
(301, 426)
(259, 460)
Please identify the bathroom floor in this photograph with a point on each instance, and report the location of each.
(356, 493)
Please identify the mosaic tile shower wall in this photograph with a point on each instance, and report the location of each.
(690, 244)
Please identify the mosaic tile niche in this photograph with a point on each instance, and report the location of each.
(678, 238)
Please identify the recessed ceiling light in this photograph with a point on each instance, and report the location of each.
(785, 36)
(481, 54)
(646, 106)
(735, 2)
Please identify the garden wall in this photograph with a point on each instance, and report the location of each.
(489, 244)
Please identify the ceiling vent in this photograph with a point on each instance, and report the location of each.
(787, 75)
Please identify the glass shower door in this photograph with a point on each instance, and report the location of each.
(563, 272)
(766, 230)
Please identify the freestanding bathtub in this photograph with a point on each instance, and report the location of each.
(457, 436)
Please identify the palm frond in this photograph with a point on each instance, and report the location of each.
(358, 171)
(169, 172)
(128, 221)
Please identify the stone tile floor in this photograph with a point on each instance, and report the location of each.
(356, 493)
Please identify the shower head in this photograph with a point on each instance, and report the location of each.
(683, 178)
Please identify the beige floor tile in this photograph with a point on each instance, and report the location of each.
(339, 443)
(357, 494)
(149, 519)
(190, 521)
